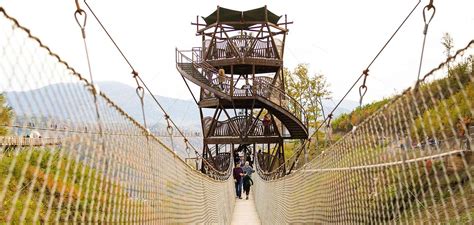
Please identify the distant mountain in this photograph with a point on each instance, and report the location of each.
(346, 106)
(184, 113)
(61, 101)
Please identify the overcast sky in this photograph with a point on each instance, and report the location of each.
(337, 38)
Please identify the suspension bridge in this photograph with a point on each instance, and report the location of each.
(410, 161)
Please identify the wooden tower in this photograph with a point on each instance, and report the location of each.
(243, 104)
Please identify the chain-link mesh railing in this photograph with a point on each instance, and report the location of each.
(61, 163)
(410, 162)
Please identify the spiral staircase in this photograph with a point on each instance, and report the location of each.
(249, 56)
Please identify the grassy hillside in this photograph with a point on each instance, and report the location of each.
(447, 100)
(42, 185)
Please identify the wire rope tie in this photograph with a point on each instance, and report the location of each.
(363, 88)
(169, 129)
(82, 24)
(141, 95)
(77, 15)
(329, 120)
(187, 146)
(426, 9)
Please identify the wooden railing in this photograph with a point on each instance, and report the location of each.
(25, 141)
(212, 150)
(222, 161)
(240, 46)
(260, 87)
(255, 125)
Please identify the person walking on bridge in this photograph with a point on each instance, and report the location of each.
(247, 181)
(248, 169)
(238, 173)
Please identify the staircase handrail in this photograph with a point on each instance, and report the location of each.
(298, 110)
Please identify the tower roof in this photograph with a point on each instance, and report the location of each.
(241, 19)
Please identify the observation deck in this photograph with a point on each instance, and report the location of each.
(259, 92)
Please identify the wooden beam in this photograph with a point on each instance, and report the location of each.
(275, 125)
(248, 121)
(272, 33)
(232, 87)
(254, 123)
(277, 27)
(202, 124)
(253, 79)
(210, 45)
(206, 28)
(236, 128)
(216, 120)
(232, 45)
(209, 156)
(253, 24)
(273, 43)
(252, 46)
(238, 140)
(276, 78)
(212, 122)
(283, 45)
(274, 154)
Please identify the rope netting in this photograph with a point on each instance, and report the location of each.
(409, 162)
(61, 162)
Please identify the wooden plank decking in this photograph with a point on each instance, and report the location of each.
(245, 211)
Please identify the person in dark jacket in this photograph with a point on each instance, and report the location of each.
(247, 183)
(267, 121)
(238, 173)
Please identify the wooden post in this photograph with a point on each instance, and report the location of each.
(283, 45)
(266, 14)
(253, 80)
(202, 124)
(231, 80)
(267, 52)
(246, 77)
(203, 49)
(213, 38)
(273, 42)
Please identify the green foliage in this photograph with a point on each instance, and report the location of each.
(61, 181)
(6, 115)
(437, 104)
(345, 122)
(442, 118)
(441, 115)
(290, 148)
(307, 90)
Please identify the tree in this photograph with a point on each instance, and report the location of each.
(448, 44)
(5, 115)
(307, 90)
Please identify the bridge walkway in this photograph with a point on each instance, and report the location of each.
(245, 211)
